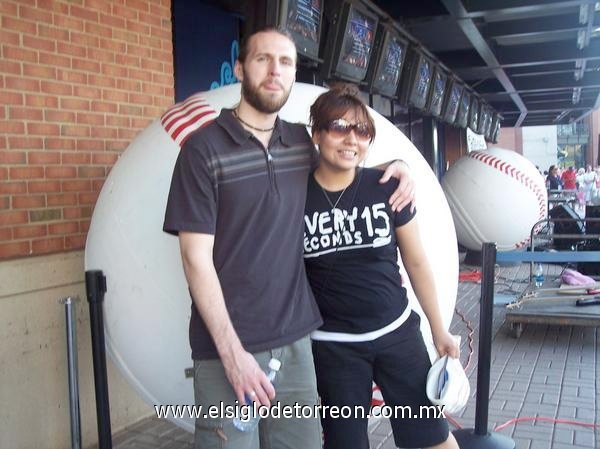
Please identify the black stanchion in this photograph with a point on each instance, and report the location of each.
(95, 286)
(480, 437)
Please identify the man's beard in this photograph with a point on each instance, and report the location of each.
(261, 102)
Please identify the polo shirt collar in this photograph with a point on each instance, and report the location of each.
(240, 135)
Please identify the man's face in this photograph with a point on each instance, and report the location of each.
(269, 71)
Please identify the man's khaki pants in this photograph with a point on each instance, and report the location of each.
(296, 391)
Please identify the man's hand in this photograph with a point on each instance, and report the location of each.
(248, 379)
(405, 193)
(242, 370)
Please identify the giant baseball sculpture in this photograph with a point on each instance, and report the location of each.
(497, 196)
(147, 304)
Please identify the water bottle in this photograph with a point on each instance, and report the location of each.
(539, 275)
(248, 423)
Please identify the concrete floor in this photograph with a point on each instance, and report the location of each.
(549, 372)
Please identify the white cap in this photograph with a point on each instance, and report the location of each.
(274, 364)
(456, 389)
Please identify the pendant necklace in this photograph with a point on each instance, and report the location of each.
(333, 206)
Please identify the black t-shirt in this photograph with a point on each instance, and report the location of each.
(351, 254)
(226, 184)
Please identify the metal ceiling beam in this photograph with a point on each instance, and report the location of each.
(596, 107)
(521, 55)
(557, 104)
(484, 72)
(522, 6)
(550, 67)
(542, 83)
(537, 38)
(461, 59)
(458, 11)
(543, 112)
(528, 26)
(533, 54)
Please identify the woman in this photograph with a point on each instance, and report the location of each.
(369, 332)
(553, 181)
(589, 182)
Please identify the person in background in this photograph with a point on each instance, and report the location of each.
(579, 178)
(568, 178)
(589, 182)
(369, 332)
(236, 204)
(553, 181)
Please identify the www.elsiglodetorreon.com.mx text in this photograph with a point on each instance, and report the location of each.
(278, 410)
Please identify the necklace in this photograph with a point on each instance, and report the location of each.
(262, 130)
(333, 206)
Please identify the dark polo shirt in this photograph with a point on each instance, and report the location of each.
(226, 184)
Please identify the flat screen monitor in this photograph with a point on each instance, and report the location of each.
(483, 114)
(452, 101)
(487, 123)
(423, 73)
(390, 63)
(474, 114)
(495, 128)
(303, 19)
(437, 91)
(462, 117)
(357, 44)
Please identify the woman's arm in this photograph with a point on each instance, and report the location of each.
(421, 278)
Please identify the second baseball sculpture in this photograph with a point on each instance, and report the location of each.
(497, 196)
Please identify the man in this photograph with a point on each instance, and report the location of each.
(237, 202)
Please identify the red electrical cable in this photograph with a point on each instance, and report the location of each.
(545, 419)
(469, 276)
(453, 422)
(469, 337)
(514, 420)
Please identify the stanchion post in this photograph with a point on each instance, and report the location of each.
(71, 326)
(486, 314)
(95, 285)
(480, 437)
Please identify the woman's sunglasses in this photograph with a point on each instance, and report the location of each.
(341, 128)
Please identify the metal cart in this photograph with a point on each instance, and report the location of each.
(545, 305)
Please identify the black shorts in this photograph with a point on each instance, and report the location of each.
(398, 362)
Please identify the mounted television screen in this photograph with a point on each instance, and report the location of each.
(474, 114)
(438, 89)
(483, 116)
(487, 131)
(495, 129)
(389, 65)
(452, 101)
(302, 19)
(485, 121)
(421, 82)
(355, 51)
(462, 117)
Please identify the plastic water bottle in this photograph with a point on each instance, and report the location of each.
(539, 275)
(249, 423)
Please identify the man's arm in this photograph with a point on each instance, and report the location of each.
(405, 192)
(243, 372)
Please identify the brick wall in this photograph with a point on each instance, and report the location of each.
(78, 80)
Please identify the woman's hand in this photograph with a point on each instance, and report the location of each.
(445, 343)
